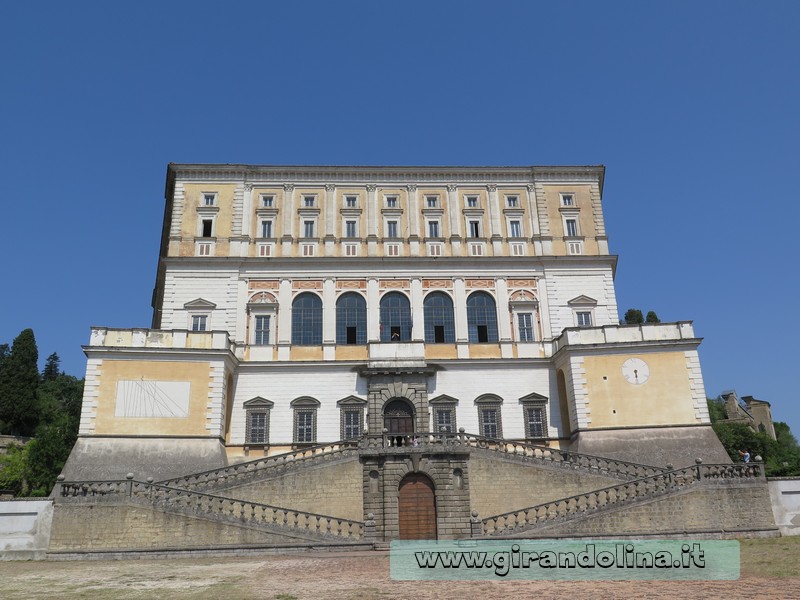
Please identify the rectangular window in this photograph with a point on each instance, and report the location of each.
(525, 321)
(535, 417)
(351, 250)
(433, 229)
(431, 201)
(199, 322)
(472, 201)
(489, 422)
(308, 249)
(391, 229)
(351, 201)
(350, 229)
(474, 229)
(483, 334)
(308, 229)
(518, 249)
(265, 249)
(208, 225)
(204, 249)
(512, 201)
(567, 200)
(262, 330)
(434, 249)
(209, 199)
(351, 424)
(584, 318)
(516, 229)
(444, 420)
(575, 247)
(438, 334)
(267, 201)
(572, 227)
(391, 201)
(266, 229)
(304, 431)
(393, 249)
(257, 427)
(308, 201)
(476, 249)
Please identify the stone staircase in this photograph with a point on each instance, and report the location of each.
(265, 468)
(589, 504)
(295, 524)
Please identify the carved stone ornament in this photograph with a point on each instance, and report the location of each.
(531, 187)
(411, 187)
(288, 187)
(370, 188)
(248, 187)
(491, 188)
(329, 187)
(451, 187)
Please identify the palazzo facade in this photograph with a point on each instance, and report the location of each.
(298, 306)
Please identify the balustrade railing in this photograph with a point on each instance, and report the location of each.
(623, 493)
(249, 469)
(198, 503)
(534, 453)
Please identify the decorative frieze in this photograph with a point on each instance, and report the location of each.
(263, 284)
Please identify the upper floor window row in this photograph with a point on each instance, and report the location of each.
(395, 319)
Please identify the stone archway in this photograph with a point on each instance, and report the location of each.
(416, 507)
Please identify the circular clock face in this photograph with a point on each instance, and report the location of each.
(635, 371)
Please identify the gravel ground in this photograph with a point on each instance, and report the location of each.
(332, 576)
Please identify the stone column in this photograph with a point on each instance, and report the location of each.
(284, 333)
(494, 212)
(247, 220)
(288, 218)
(417, 311)
(329, 318)
(372, 221)
(373, 311)
(413, 220)
(503, 317)
(460, 316)
(329, 231)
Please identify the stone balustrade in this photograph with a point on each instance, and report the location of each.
(624, 493)
(253, 514)
(108, 337)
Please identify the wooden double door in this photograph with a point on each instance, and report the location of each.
(417, 508)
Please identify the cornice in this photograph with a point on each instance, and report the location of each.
(331, 174)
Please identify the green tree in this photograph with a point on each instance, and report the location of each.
(13, 468)
(633, 316)
(19, 379)
(652, 317)
(738, 436)
(48, 452)
(716, 410)
(52, 368)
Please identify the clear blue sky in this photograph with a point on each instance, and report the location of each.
(692, 106)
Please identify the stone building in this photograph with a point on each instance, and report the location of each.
(421, 315)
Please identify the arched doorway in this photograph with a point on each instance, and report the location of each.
(416, 508)
(398, 420)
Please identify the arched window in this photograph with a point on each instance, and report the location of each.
(481, 318)
(351, 319)
(395, 318)
(439, 324)
(307, 320)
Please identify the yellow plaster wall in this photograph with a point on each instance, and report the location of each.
(664, 399)
(198, 374)
(351, 352)
(441, 351)
(305, 353)
(484, 351)
(193, 195)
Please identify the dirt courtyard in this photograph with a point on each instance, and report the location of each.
(348, 576)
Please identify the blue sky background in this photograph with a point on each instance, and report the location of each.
(692, 106)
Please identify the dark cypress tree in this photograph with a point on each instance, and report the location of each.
(52, 368)
(633, 316)
(19, 378)
(652, 317)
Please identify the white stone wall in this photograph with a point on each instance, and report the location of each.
(217, 286)
(330, 383)
(564, 285)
